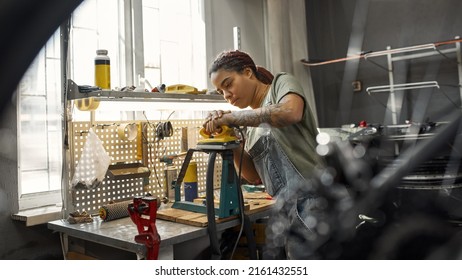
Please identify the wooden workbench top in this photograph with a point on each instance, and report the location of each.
(256, 205)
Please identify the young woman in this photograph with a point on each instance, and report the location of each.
(280, 141)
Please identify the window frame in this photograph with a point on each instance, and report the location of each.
(47, 197)
(132, 9)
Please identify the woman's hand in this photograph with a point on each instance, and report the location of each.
(215, 120)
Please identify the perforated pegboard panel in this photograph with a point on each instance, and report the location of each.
(146, 149)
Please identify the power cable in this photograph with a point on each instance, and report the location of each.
(444, 93)
(240, 196)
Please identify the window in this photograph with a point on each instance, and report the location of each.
(39, 129)
(173, 43)
(92, 28)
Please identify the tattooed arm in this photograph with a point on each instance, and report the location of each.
(289, 111)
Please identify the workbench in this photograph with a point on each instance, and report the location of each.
(115, 239)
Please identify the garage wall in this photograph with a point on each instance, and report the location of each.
(223, 15)
(338, 27)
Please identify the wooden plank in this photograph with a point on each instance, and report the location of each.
(182, 216)
(201, 201)
(168, 214)
(257, 195)
(194, 219)
(258, 203)
(188, 217)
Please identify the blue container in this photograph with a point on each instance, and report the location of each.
(190, 191)
(190, 182)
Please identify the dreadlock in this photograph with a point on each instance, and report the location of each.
(238, 61)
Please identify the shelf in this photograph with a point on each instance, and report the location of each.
(401, 54)
(416, 51)
(398, 54)
(121, 171)
(73, 93)
(398, 87)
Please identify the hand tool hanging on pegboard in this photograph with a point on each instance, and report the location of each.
(148, 235)
(164, 129)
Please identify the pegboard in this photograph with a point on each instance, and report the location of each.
(146, 150)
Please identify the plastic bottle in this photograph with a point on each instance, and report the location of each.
(102, 70)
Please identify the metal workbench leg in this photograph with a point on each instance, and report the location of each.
(210, 204)
(251, 244)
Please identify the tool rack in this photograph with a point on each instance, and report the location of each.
(398, 54)
(412, 52)
(125, 187)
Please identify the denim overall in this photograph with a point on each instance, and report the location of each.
(292, 228)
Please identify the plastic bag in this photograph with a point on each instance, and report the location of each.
(93, 164)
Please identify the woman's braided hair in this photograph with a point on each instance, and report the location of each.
(236, 60)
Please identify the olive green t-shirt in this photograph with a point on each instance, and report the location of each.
(298, 140)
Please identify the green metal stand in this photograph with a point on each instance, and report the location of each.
(229, 203)
(229, 196)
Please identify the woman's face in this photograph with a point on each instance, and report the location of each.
(237, 88)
